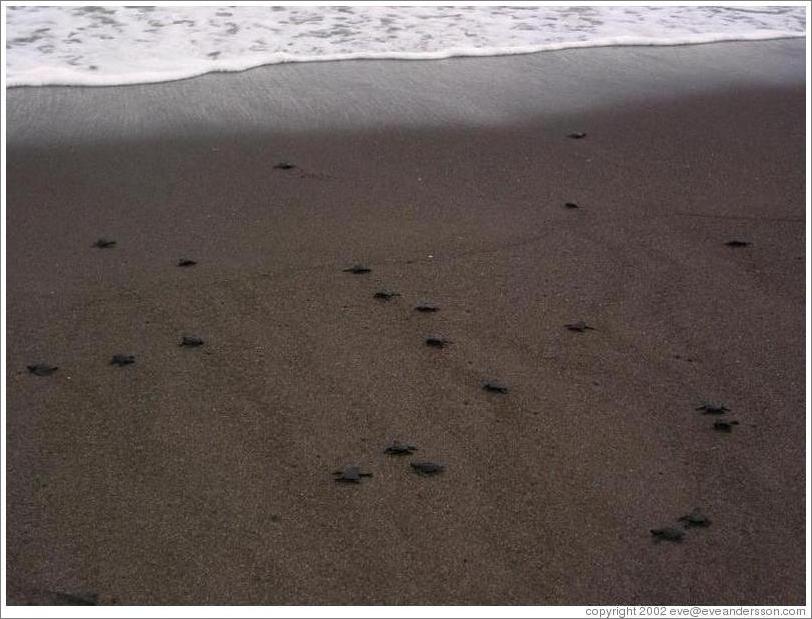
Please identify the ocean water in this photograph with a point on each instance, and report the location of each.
(108, 45)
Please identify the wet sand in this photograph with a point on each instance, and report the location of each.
(204, 475)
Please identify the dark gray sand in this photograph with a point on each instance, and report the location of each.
(205, 477)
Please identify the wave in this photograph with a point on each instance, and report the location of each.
(56, 76)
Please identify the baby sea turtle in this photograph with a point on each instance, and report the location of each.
(284, 165)
(571, 205)
(577, 135)
(185, 262)
(579, 326)
(104, 243)
(495, 387)
(695, 519)
(712, 408)
(350, 474)
(437, 342)
(724, 426)
(75, 599)
(668, 534)
(358, 269)
(427, 307)
(191, 341)
(396, 448)
(386, 295)
(122, 360)
(737, 243)
(428, 468)
(42, 369)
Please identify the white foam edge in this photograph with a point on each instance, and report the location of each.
(66, 77)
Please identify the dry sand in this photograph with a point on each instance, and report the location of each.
(203, 476)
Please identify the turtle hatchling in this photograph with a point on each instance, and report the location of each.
(437, 342)
(396, 448)
(427, 307)
(571, 205)
(579, 327)
(185, 262)
(104, 243)
(577, 135)
(385, 295)
(350, 474)
(358, 269)
(737, 243)
(494, 387)
(724, 426)
(122, 360)
(428, 468)
(695, 519)
(668, 534)
(712, 408)
(284, 165)
(75, 599)
(42, 369)
(191, 341)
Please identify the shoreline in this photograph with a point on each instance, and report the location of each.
(449, 54)
(204, 476)
(376, 94)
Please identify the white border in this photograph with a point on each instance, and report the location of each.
(359, 611)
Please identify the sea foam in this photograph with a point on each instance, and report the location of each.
(108, 45)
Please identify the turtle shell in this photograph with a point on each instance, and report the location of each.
(579, 326)
(668, 534)
(712, 408)
(695, 519)
(75, 599)
(493, 386)
(42, 369)
(350, 474)
(428, 468)
(396, 448)
(385, 295)
(724, 426)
